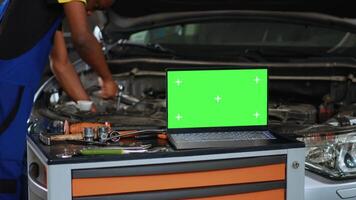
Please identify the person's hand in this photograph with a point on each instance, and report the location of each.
(109, 89)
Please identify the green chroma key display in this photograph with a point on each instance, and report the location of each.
(217, 98)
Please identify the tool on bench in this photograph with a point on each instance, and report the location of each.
(106, 151)
(119, 150)
(102, 132)
(49, 139)
(99, 151)
(88, 134)
(79, 127)
(138, 134)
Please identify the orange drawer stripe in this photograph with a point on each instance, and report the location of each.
(278, 194)
(117, 185)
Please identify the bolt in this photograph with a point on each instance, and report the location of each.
(295, 165)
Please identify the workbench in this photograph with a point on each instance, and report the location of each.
(269, 171)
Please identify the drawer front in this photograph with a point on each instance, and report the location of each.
(277, 194)
(254, 191)
(181, 176)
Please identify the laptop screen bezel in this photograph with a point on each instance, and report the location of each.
(214, 129)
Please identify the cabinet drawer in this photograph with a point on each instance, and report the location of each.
(277, 194)
(138, 179)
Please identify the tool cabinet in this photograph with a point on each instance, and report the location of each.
(258, 173)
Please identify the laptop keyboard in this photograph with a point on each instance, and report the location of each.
(218, 139)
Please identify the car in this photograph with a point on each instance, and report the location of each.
(309, 48)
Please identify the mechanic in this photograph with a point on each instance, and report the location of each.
(65, 72)
(27, 28)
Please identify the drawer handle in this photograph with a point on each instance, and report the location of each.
(33, 174)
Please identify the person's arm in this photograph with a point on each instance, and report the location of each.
(88, 47)
(64, 71)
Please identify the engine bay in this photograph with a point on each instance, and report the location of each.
(306, 104)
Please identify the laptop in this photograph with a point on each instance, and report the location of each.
(217, 108)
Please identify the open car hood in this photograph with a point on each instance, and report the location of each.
(131, 16)
(136, 8)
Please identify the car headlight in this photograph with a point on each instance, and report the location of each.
(331, 155)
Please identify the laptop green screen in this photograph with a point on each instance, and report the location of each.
(217, 98)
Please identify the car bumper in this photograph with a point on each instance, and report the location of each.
(318, 187)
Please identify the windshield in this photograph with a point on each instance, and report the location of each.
(252, 34)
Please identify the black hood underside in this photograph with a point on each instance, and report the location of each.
(135, 8)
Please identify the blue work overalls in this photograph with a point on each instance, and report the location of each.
(19, 79)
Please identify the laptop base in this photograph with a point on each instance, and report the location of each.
(220, 139)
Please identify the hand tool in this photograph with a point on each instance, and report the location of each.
(119, 95)
(132, 133)
(99, 151)
(139, 147)
(119, 150)
(113, 136)
(66, 154)
(79, 127)
(133, 149)
(103, 134)
(49, 139)
(88, 134)
(151, 136)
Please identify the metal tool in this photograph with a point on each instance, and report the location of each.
(113, 136)
(79, 127)
(99, 151)
(121, 150)
(66, 154)
(115, 150)
(135, 132)
(45, 139)
(140, 147)
(121, 89)
(56, 126)
(88, 134)
(103, 134)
